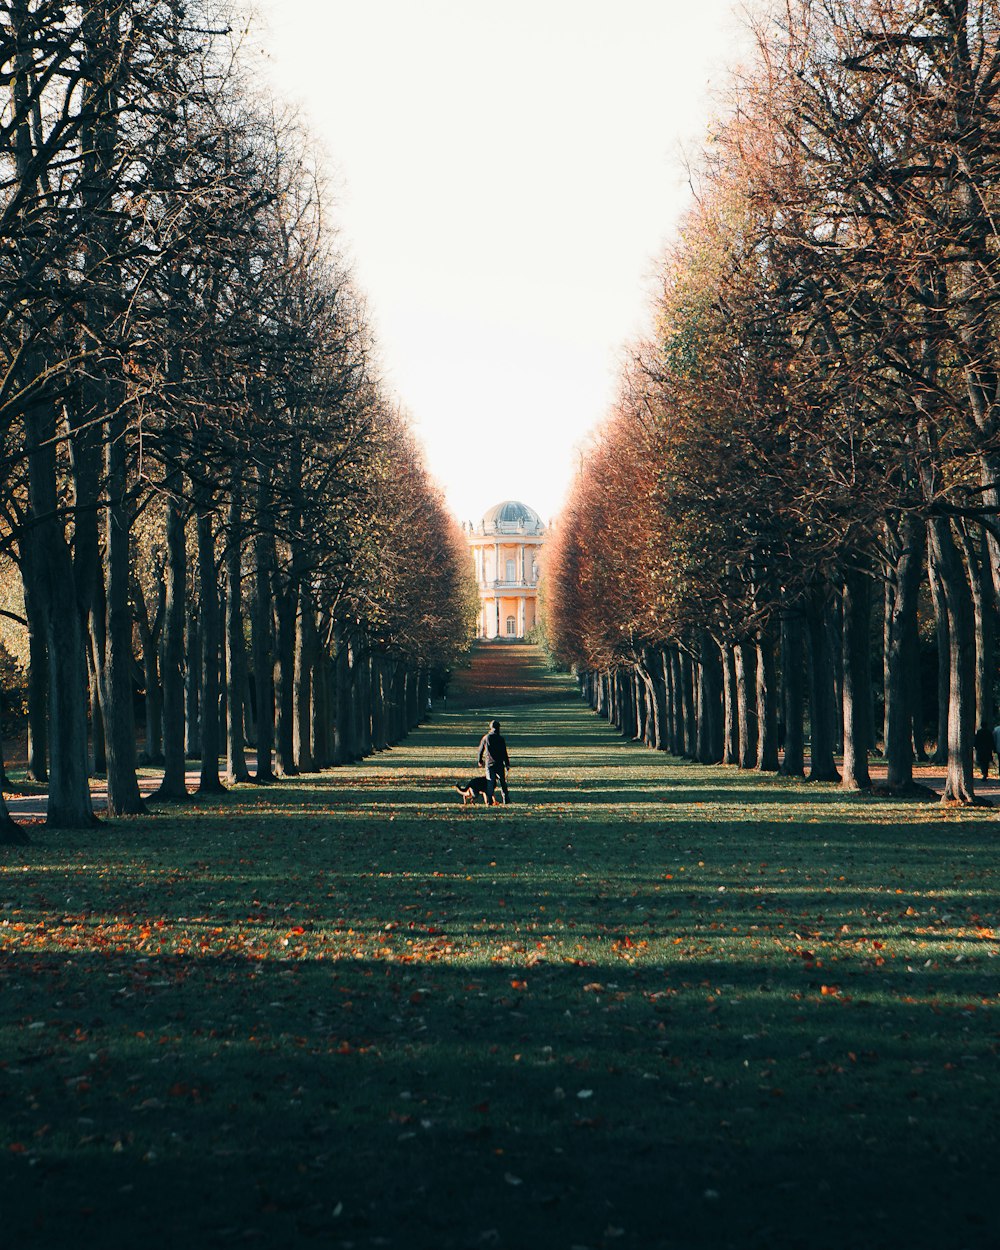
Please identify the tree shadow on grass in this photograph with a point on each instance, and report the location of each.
(211, 1101)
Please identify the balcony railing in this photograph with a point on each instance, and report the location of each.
(506, 585)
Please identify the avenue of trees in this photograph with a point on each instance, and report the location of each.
(206, 491)
(802, 470)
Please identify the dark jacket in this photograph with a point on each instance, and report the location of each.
(493, 751)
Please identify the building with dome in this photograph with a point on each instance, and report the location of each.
(506, 550)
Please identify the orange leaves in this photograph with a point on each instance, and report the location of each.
(182, 1090)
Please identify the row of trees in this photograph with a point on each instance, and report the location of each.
(814, 428)
(206, 490)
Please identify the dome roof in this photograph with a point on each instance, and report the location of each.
(511, 517)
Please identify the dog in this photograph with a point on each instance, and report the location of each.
(471, 789)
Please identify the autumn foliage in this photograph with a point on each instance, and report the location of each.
(813, 427)
(205, 480)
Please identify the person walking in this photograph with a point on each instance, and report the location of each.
(493, 753)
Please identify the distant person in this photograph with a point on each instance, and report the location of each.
(996, 741)
(493, 753)
(982, 744)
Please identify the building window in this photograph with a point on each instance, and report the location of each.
(511, 570)
(511, 627)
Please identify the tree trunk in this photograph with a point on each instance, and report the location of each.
(653, 669)
(943, 646)
(115, 673)
(834, 625)
(153, 753)
(149, 627)
(959, 781)
(618, 712)
(767, 704)
(398, 702)
(917, 701)
(357, 695)
(366, 738)
(855, 641)
(730, 704)
(639, 701)
(223, 670)
(709, 744)
(888, 604)
(745, 656)
(395, 702)
(38, 736)
(263, 633)
(84, 446)
(688, 703)
(984, 609)
(414, 685)
(103, 408)
(236, 657)
(318, 735)
(793, 692)
(343, 744)
(173, 784)
(650, 730)
(249, 705)
(69, 802)
(905, 546)
(209, 781)
(99, 755)
(192, 684)
(669, 702)
(629, 725)
(379, 742)
(305, 630)
(677, 693)
(990, 476)
(285, 604)
(822, 710)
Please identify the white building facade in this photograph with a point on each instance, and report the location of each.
(506, 550)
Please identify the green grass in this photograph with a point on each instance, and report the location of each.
(649, 1005)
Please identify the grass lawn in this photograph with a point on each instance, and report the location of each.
(648, 1005)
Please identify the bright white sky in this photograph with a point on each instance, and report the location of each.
(505, 176)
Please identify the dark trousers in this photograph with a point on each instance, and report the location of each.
(496, 775)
